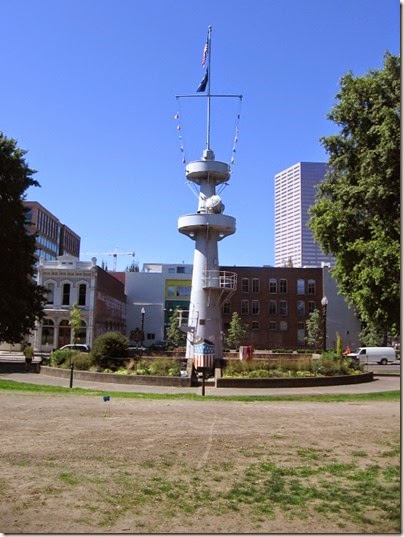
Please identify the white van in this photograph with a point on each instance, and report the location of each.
(380, 355)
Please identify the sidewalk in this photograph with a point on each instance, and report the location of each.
(380, 384)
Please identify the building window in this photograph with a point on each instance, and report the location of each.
(311, 287)
(244, 307)
(255, 307)
(51, 293)
(272, 325)
(66, 294)
(273, 285)
(311, 306)
(183, 290)
(171, 290)
(300, 287)
(245, 285)
(283, 286)
(226, 308)
(82, 294)
(64, 333)
(48, 332)
(283, 307)
(283, 325)
(300, 310)
(272, 307)
(255, 325)
(255, 285)
(82, 333)
(300, 334)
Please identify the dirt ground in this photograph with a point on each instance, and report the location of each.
(79, 464)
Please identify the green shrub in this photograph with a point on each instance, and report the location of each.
(109, 345)
(61, 358)
(165, 367)
(328, 365)
(142, 367)
(82, 361)
(122, 371)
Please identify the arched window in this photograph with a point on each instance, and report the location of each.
(82, 334)
(48, 332)
(64, 335)
(82, 294)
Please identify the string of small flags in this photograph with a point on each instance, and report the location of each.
(235, 140)
(177, 117)
(180, 139)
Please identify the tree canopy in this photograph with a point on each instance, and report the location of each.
(21, 299)
(237, 331)
(175, 336)
(314, 328)
(356, 216)
(75, 322)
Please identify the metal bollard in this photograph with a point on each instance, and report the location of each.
(71, 375)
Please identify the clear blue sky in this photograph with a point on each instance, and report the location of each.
(89, 89)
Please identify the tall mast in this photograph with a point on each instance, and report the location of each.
(209, 53)
(207, 226)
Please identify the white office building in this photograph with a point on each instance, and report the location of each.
(295, 191)
(152, 296)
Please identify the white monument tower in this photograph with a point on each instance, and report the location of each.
(206, 227)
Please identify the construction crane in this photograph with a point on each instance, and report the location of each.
(114, 256)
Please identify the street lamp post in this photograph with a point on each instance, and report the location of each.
(142, 311)
(324, 303)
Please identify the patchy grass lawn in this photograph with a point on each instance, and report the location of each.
(73, 463)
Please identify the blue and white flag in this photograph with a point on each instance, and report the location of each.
(203, 83)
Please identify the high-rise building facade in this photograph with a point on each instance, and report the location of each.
(295, 191)
(53, 237)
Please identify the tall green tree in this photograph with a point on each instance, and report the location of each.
(21, 299)
(314, 328)
(75, 322)
(356, 216)
(175, 336)
(237, 331)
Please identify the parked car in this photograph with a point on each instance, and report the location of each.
(159, 346)
(76, 347)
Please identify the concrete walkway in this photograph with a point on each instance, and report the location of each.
(380, 384)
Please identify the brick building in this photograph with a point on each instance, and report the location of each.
(274, 303)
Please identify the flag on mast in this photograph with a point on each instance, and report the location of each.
(205, 54)
(206, 51)
(204, 82)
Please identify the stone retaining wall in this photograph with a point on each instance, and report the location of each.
(293, 382)
(147, 380)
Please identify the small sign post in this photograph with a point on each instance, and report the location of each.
(107, 401)
(204, 359)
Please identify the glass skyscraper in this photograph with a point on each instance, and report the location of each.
(295, 191)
